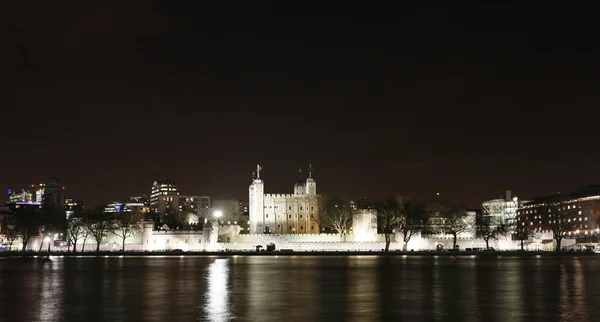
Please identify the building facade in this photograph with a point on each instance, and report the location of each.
(166, 187)
(503, 210)
(33, 194)
(576, 215)
(54, 193)
(179, 203)
(295, 213)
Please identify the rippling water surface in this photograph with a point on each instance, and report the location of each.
(294, 288)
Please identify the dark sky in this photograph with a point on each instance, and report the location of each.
(382, 99)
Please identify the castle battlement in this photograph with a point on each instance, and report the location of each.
(290, 235)
(280, 195)
(283, 195)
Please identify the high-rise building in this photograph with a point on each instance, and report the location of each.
(163, 188)
(54, 193)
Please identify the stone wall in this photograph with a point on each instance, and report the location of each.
(216, 237)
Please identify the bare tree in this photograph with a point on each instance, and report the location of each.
(337, 214)
(389, 215)
(523, 233)
(491, 228)
(76, 229)
(126, 226)
(559, 222)
(455, 221)
(100, 224)
(28, 224)
(10, 230)
(411, 221)
(85, 232)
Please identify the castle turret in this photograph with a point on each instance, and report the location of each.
(311, 184)
(300, 186)
(256, 203)
(147, 228)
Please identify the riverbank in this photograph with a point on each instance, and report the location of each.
(459, 254)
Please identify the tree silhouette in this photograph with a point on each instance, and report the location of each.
(412, 220)
(523, 233)
(455, 220)
(77, 229)
(559, 223)
(491, 228)
(389, 215)
(127, 225)
(10, 230)
(337, 214)
(100, 224)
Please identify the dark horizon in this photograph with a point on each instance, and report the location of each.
(382, 99)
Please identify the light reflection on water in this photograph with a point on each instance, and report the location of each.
(218, 307)
(297, 288)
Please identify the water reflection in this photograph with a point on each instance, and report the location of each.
(572, 293)
(50, 296)
(300, 289)
(510, 290)
(362, 293)
(217, 306)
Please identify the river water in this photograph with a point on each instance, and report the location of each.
(299, 288)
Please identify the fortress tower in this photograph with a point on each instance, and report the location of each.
(256, 206)
(295, 213)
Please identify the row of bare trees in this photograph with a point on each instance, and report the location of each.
(29, 222)
(99, 225)
(400, 214)
(80, 227)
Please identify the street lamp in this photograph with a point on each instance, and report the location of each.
(218, 214)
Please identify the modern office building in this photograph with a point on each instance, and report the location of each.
(579, 212)
(166, 187)
(179, 203)
(503, 210)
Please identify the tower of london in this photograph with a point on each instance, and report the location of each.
(276, 213)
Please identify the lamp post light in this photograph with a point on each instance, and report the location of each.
(218, 214)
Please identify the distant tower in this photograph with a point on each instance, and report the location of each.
(256, 203)
(54, 193)
(300, 186)
(311, 184)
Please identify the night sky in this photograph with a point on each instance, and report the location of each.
(466, 101)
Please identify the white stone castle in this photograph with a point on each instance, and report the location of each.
(282, 221)
(295, 213)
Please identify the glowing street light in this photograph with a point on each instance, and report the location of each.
(218, 214)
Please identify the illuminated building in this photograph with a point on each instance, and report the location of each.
(180, 203)
(140, 199)
(284, 213)
(71, 206)
(580, 209)
(162, 188)
(503, 210)
(33, 193)
(137, 208)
